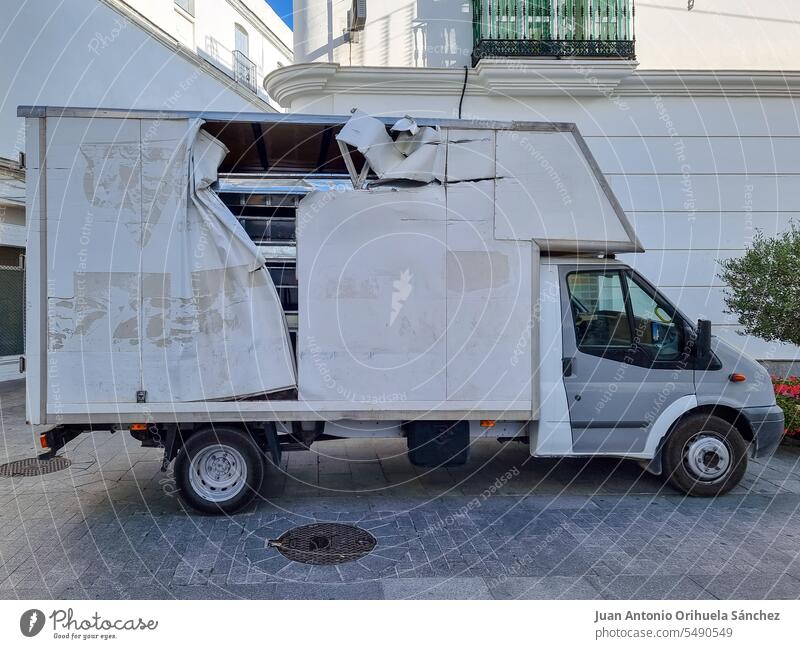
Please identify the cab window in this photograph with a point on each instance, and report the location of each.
(617, 316)
(654, 326)
(599, 313)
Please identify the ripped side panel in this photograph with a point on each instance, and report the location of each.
(212, 323)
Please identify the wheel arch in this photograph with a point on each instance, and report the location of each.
(258, 432)
(728, 413)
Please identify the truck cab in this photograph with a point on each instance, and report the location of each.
(625, 373)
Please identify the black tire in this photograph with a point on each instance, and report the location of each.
(234, 449)
(699, 436)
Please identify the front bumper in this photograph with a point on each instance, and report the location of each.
(767, 425)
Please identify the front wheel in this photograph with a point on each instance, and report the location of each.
(219, 470)
(705, 456)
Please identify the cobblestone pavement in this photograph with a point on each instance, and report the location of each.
(505, 526)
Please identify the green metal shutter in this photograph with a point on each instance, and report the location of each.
(12, 311)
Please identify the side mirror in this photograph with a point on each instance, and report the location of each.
(702, 344)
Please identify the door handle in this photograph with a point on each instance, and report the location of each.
(567, 366)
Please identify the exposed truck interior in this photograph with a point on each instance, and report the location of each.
(268, 170)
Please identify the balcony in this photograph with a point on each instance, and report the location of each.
(600, 29)
(244, 71)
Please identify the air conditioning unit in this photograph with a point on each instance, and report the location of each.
(357, 16)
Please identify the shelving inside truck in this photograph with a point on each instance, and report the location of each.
(270, 167)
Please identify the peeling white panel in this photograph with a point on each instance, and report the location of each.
(152, 283)
(212, 323)
(372, 283)
(93, 273)
(102, 314)
(548, 192)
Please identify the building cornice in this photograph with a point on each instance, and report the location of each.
(525, 78)
(162, 37)
(536, 77)
(11, 169)
(712, 83)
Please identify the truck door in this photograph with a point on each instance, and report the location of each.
(625, 358)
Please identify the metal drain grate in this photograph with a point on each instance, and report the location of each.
(324, 544)
(33, 467)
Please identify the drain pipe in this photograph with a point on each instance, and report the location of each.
(463, 90)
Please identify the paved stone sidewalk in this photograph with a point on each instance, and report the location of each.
(505, 526)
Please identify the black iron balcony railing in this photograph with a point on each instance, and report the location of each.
(244, 70)
(553, 28)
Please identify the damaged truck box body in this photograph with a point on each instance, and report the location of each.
(235, 286)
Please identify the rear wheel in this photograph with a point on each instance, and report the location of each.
(219, 470)
(705, 456)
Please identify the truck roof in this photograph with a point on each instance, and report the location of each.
(289, 118)
(269, 146)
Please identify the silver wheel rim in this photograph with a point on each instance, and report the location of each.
(218, 473)
(707, 457)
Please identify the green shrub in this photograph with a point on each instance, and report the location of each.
(764, 287)
(763, 291)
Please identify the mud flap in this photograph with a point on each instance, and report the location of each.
(274, 447)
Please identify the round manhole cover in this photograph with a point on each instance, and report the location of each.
(324, 544)
(33, 467)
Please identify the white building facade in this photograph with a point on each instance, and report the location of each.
(145, 54)
(693, 115)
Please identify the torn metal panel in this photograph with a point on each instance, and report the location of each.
(152, 283)
(416, 156)
(425, 158)
(407, 125)
(212, 324)
(368, 135)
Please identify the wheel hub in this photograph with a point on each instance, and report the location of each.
(220, 467)
(708, 458)
(218, 473)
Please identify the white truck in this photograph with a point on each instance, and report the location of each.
(229, 287)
